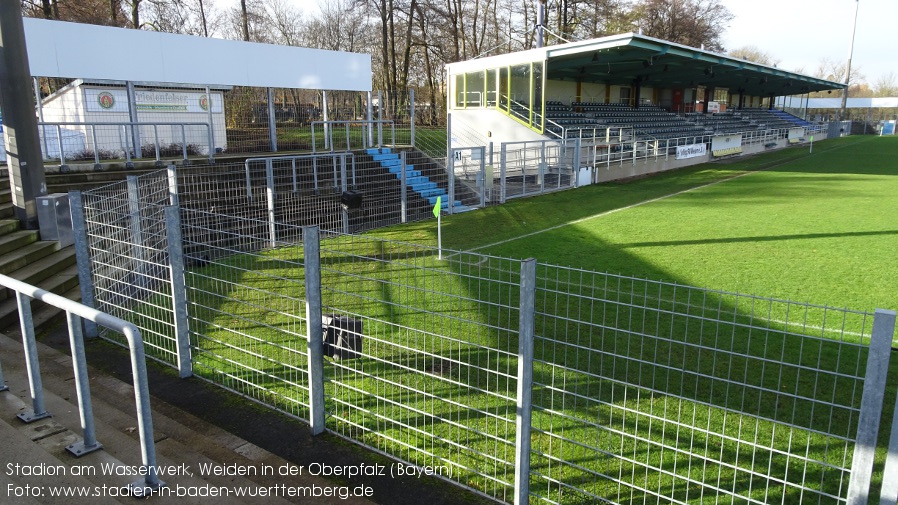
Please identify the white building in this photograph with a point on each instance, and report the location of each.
(103, 110)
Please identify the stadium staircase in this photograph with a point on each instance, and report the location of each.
(416, 180)
(180, 438)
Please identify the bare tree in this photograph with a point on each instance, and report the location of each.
(695, 23)
(886, 85)
(244, 20)
(250, 24)
(95, 12)
(752, 53)
(190, 17)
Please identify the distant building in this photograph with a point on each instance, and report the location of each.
(105, 101)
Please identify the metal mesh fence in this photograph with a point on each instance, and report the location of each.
(247, 313)
(529, 168)
(128, 246)
(642, 391)
(433, 383)
(647, 391)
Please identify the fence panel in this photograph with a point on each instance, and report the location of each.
(530, 168)
(128, 247)
(643, 390)
(647, 391)
(434, 382)
(246, 305)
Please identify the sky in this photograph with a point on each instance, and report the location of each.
(798, 33)
(801, 33)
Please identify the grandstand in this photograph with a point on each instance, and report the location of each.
(622, 92)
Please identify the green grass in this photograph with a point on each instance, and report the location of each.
(807, 227)
(621, 363)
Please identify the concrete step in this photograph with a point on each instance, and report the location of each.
(17, 239)
(181, 441)
(63, 281)
(27, 251)
(47, 266)
(8, 226)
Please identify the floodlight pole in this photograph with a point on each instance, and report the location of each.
(540, 23)
(24, 157)
(857, 4)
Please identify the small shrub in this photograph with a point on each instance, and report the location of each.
(170, 150)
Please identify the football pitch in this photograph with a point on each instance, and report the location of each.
(818, 227)
(638, 370)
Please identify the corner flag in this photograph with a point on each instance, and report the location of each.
(436, 214)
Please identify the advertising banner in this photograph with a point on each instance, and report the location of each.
(116, 100)
(691, 151)
(726, 145)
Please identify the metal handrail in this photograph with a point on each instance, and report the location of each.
(369, 125)
(269, 161)
(74, 313)
(127, 148)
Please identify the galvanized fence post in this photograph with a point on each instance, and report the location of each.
(525, 382)
(451, 182)
(136, 226)
(483, 176)
(411, 100)
(38, 409)
(889, 493)
(312, 267)
(210, 131)
(343, 188)
(173, 185)
(404, 191)
(380, 118)
(269, 190)
(82, 258)
(89, 442)
(878, 355)
(503, 158)
(272, 122)
(178, 290)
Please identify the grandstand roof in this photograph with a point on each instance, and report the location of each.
(629, 57)
(75, 50)
(853, 103)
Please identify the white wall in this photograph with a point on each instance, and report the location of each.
(561, 91)
(491, 125)
(592, 92)
(81, 103)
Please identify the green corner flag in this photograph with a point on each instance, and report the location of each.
(436, 208)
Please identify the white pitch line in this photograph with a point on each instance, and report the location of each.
(608, 212)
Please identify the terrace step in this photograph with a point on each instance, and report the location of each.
(21, 249)
(62, 279)
(180, 439)
(417, 181)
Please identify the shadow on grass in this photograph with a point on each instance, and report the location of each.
(773, 238)
(643, 390)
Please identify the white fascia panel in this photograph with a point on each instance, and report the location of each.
(73, 50)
